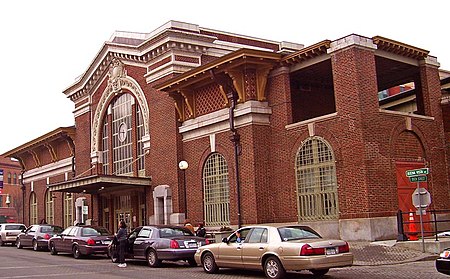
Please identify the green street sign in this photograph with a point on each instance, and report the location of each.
(417, 172)
(421, 178)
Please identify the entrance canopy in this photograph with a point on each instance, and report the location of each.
(100, 183)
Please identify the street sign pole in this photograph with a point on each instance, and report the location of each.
(420, 216)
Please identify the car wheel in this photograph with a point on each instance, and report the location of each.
(152, 258)
(76, 252)
(18, 244)
(192, 262)
(273, 268)
(319, 272)
(209, 263)
(53, 249)
(35, 245)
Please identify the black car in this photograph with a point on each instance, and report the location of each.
(156, 243)
(443, 262)
(37, 236)
(81, 241)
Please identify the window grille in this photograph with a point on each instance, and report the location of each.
(122, 150)
(33, 209)
(140, 134)
(316, 181)
(105, 144)
(68, 209)
(49, 208)
(216, 191)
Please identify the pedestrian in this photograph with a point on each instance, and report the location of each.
(121, 237)
(188, 225)
(201, 231)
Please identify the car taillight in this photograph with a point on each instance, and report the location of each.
(206, 241)
(174, 244)
(344, 248)
(90, 241)
(47, 236)
(307, 250)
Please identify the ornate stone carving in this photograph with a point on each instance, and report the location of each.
(118, 80)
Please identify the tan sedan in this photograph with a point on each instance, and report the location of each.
(275, 250)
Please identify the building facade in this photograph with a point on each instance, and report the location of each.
(273, 132)
(10, 190)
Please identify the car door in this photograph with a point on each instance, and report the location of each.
(27, 238)
(141, 242)
(65, 243)
(254, 248)
(230, 252)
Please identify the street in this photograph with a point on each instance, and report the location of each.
(25, 263)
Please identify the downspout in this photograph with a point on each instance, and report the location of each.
(226, 83)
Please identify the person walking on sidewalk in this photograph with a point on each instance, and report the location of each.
(121, 237)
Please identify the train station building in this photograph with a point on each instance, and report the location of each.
(230, 130)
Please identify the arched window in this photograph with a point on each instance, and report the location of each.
(68, 209)
(122, 133)
(216, 191)
(316, 181)
(15, 178)
(49, 208)
(33, 209)
(9, 178)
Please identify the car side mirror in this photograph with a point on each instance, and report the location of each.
(225, 240)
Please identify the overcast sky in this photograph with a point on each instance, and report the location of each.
(45, 45)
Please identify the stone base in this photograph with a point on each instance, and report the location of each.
(177, 218)
(371, 229)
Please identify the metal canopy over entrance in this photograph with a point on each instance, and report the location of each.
(99, 183)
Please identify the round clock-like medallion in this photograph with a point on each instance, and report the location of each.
(123, 129)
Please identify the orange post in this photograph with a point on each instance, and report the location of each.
(412, 228)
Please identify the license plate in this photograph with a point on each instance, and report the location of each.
(106, 241)
(192, 245)
(330, 251)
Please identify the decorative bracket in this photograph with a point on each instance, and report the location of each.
(189, 101)
(261, 81)
(238, 82)
(52, 152)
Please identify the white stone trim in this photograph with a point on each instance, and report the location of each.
(49, 170)
(401, 113)
(248, 113)
(351, 40)
(312, 120)
(431, 61)
(82, 110)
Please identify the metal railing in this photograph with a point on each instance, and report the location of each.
(434, 222)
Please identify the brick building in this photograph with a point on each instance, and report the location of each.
(273, 132)
(10, 190)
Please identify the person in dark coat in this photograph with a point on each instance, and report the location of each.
(121, 237)
(201, 231)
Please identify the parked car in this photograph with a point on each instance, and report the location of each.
(9, 232)
(37, 236)
(275, 250)
(81, 241)
(443, 262)
(161, 242)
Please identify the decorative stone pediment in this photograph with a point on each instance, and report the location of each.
(118, 82)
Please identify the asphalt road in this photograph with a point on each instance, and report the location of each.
(25, 263)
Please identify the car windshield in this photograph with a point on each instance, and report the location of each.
(14, 227)
(51, 229)
(171, 232)
(295, 233)
(94, 231)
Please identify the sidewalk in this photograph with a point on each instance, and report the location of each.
(385, 253)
